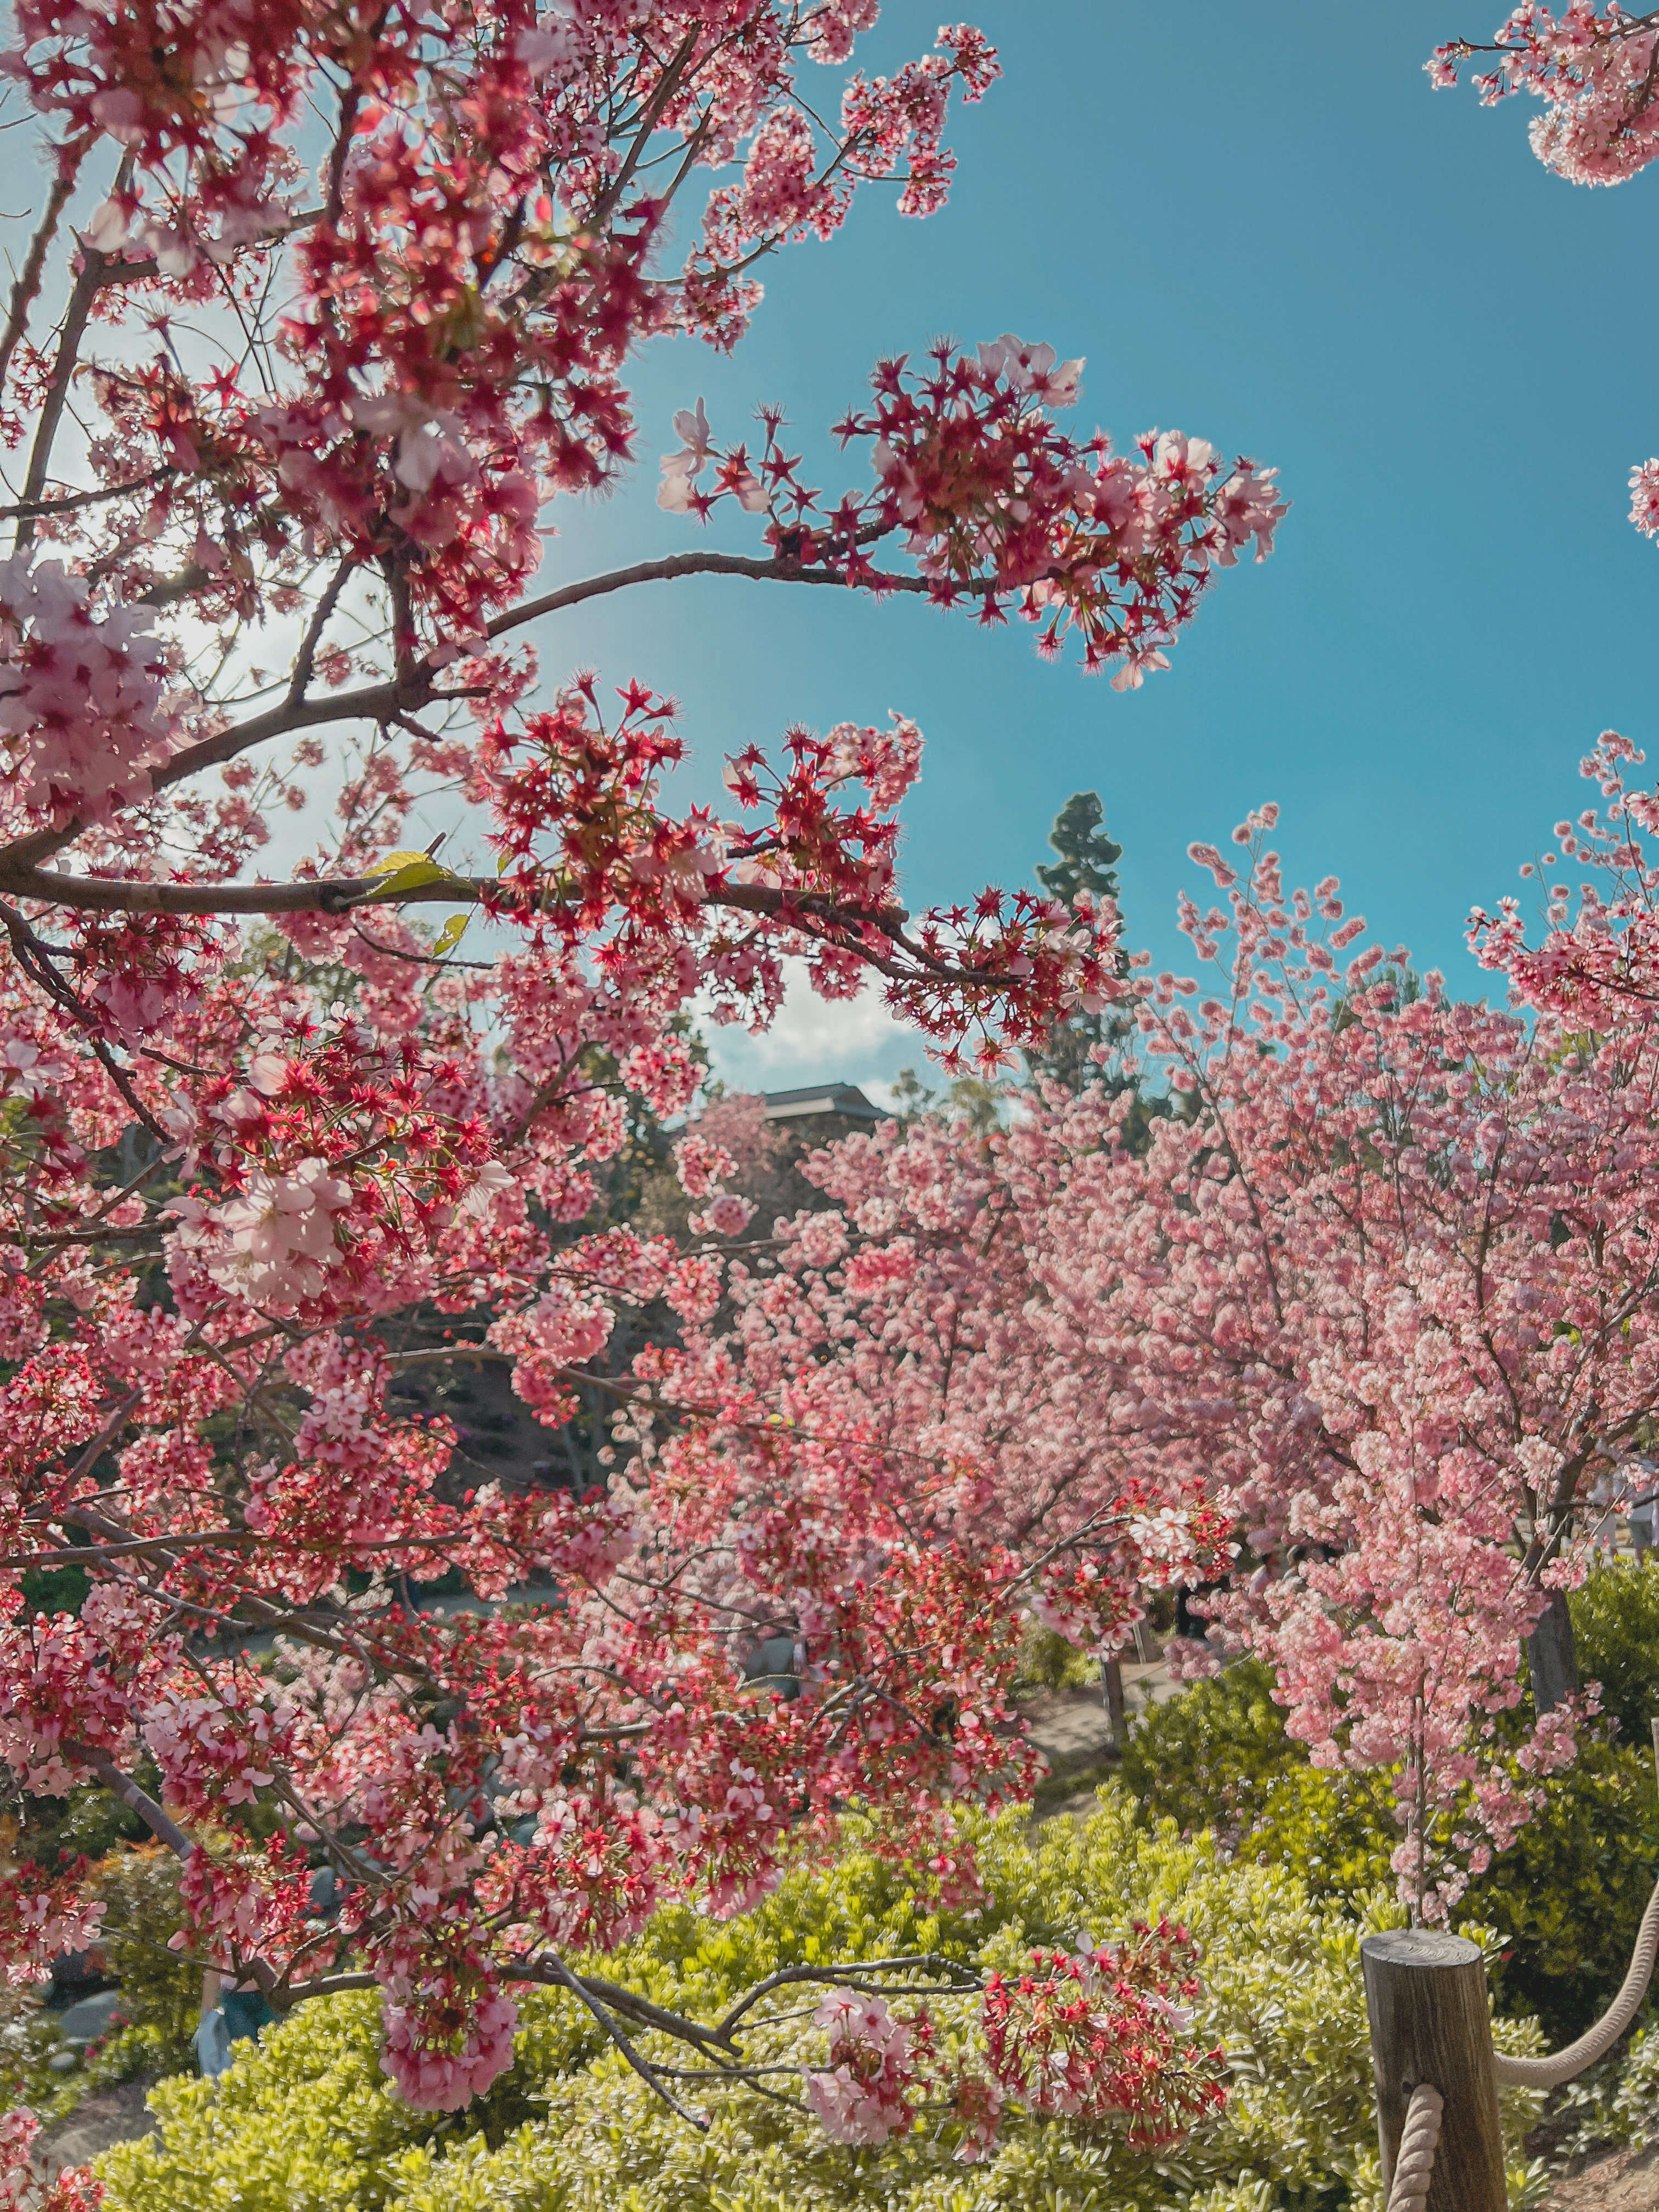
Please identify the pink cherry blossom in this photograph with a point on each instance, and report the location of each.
(81, 720)
(291, 1147)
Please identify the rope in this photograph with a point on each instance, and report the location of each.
(1546, 2073)
(1414, 2169)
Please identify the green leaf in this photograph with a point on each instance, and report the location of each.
(393, 861)
(452, 933)
(414, 874)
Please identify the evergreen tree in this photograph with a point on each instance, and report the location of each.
(1088, 862)
(1088, 857)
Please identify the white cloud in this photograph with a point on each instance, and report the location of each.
(817, 1040)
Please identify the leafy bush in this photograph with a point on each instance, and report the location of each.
(1568, 1894)
(30, 2040)
(1334, 1829)
(1048, 1662)
(1615, 1626)
(306, 2122)
(1210, 1758)
(140, 1890)
(1566, 1899)
(1616, 2102)
(86, 1824)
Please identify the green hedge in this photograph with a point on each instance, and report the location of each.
(1566, 1899)
(1615, 1626)
(306, 2121)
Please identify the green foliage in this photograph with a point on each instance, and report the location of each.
(1209, 1757)
(1087, 861)
(54, 1590)
(1088, 857)
(85, 1824)
(1335, 1830)
(1616, 2102)
(29, 2042)
(160, 1996)
(1615, 1626)
(159, 1992)
(1048, 1662)
(306, 2122)
(1566, 1899)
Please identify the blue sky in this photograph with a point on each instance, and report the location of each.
(1261, 226)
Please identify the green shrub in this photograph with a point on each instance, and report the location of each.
(1566, 1898)
(1335, 1830)
(1048, 1662)
(306, 2122)
(1209, 1757)
(1615, 1626)
(140, 1890)
(85, 1824)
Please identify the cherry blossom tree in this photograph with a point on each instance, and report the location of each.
(1379, 1298)
(1400, 1305)
(321, 314)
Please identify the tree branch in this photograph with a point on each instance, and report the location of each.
(165, 1831)
(341, 894)
(407, 694)
(767, 571)
(86, 287)
(26, 289)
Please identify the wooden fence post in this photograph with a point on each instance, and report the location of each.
(1431, 2021)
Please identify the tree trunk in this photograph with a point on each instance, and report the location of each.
(1551, 1659)
(1112, 1683)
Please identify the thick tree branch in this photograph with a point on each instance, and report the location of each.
(26, 289)
(408, 695)
(346, 893)
(165, 1830)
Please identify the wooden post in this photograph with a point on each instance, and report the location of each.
(1431, 2022)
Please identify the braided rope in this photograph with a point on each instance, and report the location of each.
(1556, 2067)
(1413, 2168)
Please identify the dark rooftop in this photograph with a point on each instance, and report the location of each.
(843, 1099)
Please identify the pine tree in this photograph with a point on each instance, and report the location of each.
(1088, 862)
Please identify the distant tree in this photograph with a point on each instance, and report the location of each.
(1088, 1045)
(1088, 857)
(1087, 866)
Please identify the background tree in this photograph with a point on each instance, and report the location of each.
(1088, 863)
(1380, 1296)
(1393, 1289)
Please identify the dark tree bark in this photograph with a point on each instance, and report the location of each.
(1552, 1657)
(1112, 1684)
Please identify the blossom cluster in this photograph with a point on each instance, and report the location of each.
(1593, 69)
(1100, 2038)
(996, 503)
(1098, 2035)
(72, 2188)
(81, 713)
